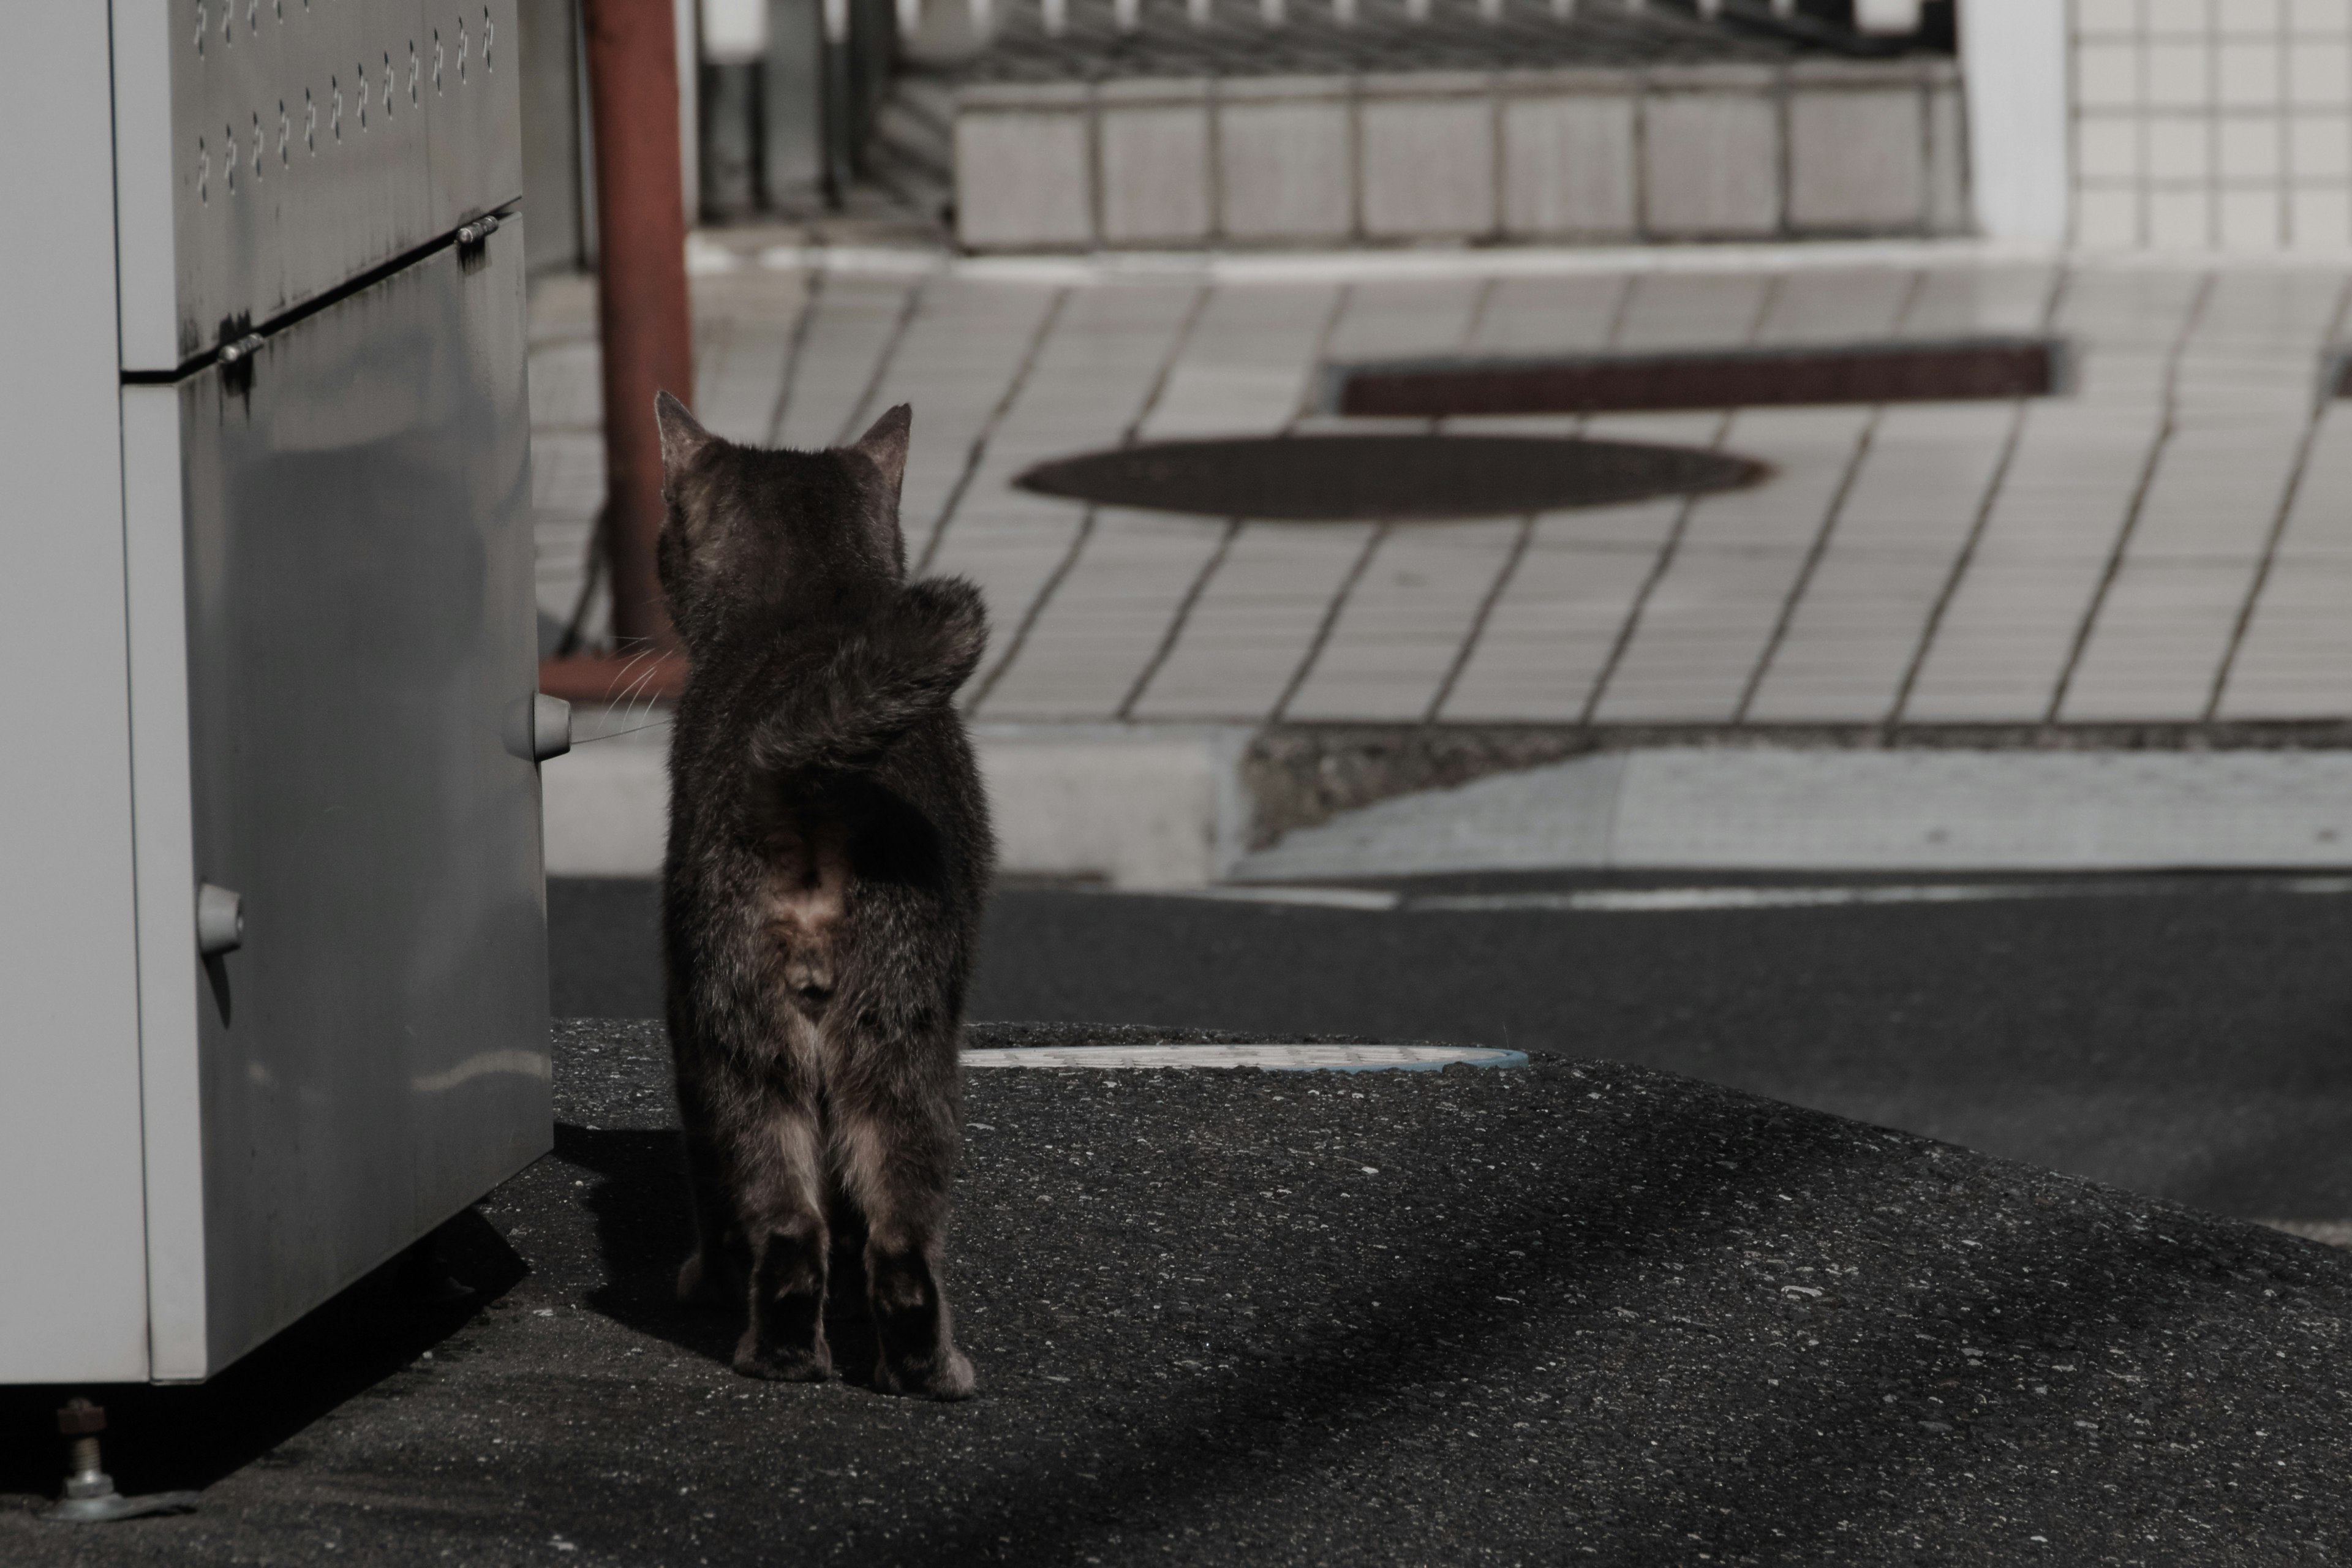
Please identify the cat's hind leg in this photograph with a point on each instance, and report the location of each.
(781, 1209)
(718, 1271)
(896, 1160)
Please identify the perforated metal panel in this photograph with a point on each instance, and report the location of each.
(306, 142)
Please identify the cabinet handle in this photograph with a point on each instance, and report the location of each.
(550, 727)
(220, 920)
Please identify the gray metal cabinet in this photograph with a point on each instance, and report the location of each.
(270, 515)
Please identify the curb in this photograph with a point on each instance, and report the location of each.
(1758, 808)
(1137, 806)
(1133, 807)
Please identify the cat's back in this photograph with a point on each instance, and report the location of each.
(914, 815)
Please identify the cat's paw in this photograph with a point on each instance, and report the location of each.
(931, 1377)
(775, 1364)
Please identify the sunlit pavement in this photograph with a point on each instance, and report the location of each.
(2167, 541)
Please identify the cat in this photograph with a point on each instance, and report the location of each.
(829, 849)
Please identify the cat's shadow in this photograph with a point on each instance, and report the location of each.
(644, 1230)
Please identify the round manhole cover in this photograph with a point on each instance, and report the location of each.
(1337, 478)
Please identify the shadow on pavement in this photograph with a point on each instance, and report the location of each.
(1810, 1466)
(644, 1230)
(173, 1438)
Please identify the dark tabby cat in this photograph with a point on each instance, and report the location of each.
(828, 851)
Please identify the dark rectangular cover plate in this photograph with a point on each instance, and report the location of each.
(1924, 371)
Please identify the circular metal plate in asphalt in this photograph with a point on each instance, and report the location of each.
(1341, 478)
(1273, 1058)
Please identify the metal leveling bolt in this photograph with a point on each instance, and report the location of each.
(90, 1497)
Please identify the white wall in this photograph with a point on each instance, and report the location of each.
(2211, 125)
(2013, 68)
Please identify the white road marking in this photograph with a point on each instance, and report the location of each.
(1274, 1057)
(1676, 900)
(1653, 900)
(1315, 897)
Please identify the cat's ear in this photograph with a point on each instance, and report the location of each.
(682, 440)
(885, 446)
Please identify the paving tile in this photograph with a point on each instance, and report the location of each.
(1249, 363)
(2168, 618)
(562, 308)
(2216, 492)
(1711, 617)
(737, 375)
(855, 322)
(2240, 384)
(1402, 320)
(1701, 631)
(2112, 375)
(1702, 310)
(567, 389)
(1091, 379)
(743, 327)
(1405, 622)
(567, 483)
(559, 566)
(1837, 306)
(2296, 660)
(2286, 307)
(2117, 307)
(1010, 555)
(2009, 626)
(2158, 642)
(1965, 301)
(567, 473)
(1551, 633)
(1254, 622)
(954, 363)
(2319, 520)
(1853, 634)
(1808, 451)
(1550, 315)
(1699, 428)
(1105, 620)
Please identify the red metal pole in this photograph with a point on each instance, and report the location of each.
(641, 289)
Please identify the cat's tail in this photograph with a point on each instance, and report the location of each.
(888, 674)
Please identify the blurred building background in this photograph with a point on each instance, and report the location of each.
(1060, 226)
(2171, 125)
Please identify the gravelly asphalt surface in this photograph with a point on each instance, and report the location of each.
(1572, 1312)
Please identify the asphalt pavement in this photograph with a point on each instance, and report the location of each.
(2188, 1038)
(1585, 1309)
(1574, 1311)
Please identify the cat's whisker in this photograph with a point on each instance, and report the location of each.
(642, 683)
(649, 656)
(616, 734)
(650, 650)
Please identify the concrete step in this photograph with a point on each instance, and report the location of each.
(1376, 124)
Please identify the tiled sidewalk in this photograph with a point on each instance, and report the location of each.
(2171, 542)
